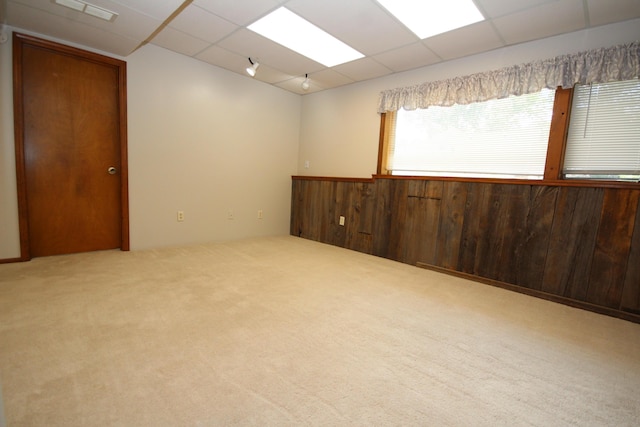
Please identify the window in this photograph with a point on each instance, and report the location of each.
(516, 138)
(603, 141)
(500, 138)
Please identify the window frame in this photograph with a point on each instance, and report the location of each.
(555, 152)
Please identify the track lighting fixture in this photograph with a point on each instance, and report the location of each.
(305, 83)
(252, 69)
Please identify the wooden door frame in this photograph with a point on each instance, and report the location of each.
(19, 40)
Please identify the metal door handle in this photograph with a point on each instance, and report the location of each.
(112, 170)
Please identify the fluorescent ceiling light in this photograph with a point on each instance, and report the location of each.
(428, 18)
(291, 31)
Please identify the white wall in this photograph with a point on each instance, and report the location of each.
(340, 127)
(201, 139)
(9, 234)
(206, 141)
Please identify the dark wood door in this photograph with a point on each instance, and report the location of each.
(72, 151)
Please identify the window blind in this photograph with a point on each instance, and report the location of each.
(604, 132)
(500, 138)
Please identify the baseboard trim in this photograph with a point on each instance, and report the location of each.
(10, 260)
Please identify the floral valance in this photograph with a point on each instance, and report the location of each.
(616, 63)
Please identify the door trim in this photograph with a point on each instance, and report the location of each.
(20, 40)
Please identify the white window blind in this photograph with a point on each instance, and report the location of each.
(603, 141)
(500, 138)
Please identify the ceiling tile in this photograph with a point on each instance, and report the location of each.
(249, 44)
(605, 12)
(270, 75)
(240, 12)
(468, 40)
(328, 78)
(157, 9)
(363, 69)
(237, 63)
(543, 21)
(496, 8)
(295, 85)
(223, 58)
(362, 24)
(204, 25)
(407, 57)
(180, 42)
(42, 22)
(129, 23)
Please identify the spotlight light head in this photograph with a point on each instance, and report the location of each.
(252, 69)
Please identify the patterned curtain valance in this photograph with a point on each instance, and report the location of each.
(616, 63)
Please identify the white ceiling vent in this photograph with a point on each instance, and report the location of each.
(88, 8)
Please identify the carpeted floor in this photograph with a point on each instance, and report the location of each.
(284, 331)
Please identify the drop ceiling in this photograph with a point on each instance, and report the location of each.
(215, 31)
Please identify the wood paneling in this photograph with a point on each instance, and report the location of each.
(422, 218)
(572, 244)
(534, 244)
(451, 223)
(472, 227)
(613, 245)
(631, 291)
(319, 205)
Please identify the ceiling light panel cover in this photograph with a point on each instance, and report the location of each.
(292, 31)
(428, 18)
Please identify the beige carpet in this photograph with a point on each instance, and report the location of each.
(284, 332)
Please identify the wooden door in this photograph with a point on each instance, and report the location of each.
(71, 151)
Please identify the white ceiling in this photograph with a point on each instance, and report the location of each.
(214, 31)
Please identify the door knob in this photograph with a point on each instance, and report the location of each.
(112, 170)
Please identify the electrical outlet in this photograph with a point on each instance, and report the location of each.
(180, 216)
(341, 220)
(260, 214)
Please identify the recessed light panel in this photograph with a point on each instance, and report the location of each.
(291, 31)
(428, 18)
